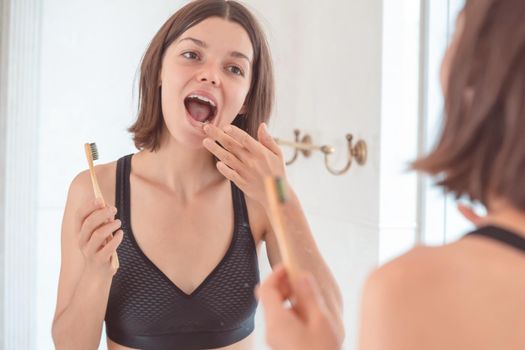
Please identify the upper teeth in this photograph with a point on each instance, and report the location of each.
(202, 98)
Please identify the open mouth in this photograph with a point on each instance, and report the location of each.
(200, 108)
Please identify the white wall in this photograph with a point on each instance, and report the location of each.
(328, 70)
(3, 134)
(399, 127)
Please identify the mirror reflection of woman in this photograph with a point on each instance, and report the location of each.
(469, 294)
(189, 216)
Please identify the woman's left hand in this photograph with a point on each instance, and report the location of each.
(244, 160)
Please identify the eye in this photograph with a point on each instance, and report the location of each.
(235, 70)
(190, 55)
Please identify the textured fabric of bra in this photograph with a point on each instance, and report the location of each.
(501, 235)
(146, 310)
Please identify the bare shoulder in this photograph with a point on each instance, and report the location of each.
(415, 273)
(399, 296)
(415, 284)
(441, 277)
(394, 275)
(434, 295)
(430, 270)
(81, 188)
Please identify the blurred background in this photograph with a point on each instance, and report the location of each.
(68, 75)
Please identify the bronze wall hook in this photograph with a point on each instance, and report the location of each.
(306, 147)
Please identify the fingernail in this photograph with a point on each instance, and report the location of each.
(114, 210)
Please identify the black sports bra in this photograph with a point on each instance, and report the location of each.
(501, 235)
(146, 310)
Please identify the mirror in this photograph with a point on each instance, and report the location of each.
(340, 67)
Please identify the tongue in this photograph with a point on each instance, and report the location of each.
(198, 111)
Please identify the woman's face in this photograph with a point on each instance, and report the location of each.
(205, 78)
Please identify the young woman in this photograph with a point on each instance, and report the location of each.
(468, 294)
(186, 236)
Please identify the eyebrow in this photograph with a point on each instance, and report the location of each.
(204, 45)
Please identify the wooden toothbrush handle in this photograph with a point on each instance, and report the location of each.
(277, 220)
(114, 261)
(98, 194)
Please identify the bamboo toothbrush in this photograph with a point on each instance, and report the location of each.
(91, 155)
(276, 194)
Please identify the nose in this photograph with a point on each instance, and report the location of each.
(209, 74)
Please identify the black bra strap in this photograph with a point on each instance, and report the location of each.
(122, 188)
(239, 205)
(501, 235)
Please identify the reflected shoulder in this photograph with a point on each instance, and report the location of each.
(81, 188)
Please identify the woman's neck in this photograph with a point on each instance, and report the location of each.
(501, 213)
(183, 170)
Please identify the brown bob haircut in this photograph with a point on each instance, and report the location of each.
(147, 129)
(481, 151)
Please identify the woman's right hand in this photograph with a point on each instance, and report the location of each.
(96, 240)
(306, 325)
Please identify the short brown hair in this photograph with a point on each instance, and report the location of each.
(147, 129)
(481, 150)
